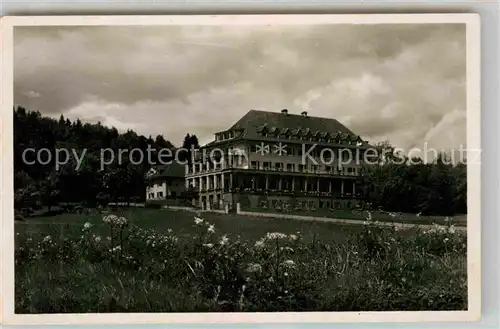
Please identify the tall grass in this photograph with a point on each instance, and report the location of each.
(131, 269)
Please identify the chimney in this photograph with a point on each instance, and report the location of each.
(304, 113)
(284, 111)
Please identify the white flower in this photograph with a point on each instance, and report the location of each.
(97, 239)
(47, 238)
(452, 229)
(87, 226)
(285, 274)
(288, 263)
(211, 229)
(121, 221)
(198, 220)
(276, 236)
(208, 245)
(115, 220)
(292, 237)
(223, 240)
(259, 243)
(253, 267)
(110, 219)
(446, 240)
(169, 230)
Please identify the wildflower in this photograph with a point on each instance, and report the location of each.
(48, 238)
(446, 240)
(452, 229)
(198, 220)
(121, 221)
(276, 236)
(253, 267)
(87, 226)
(169, 230)
(115, 220)
(223, 240)
(208, 245)
(288, 263)
(259, 243)
(97, 239)
(211, 229)
(292, 237)
(110, 219)
(285, 274)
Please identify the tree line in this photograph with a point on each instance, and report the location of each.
(400, 184)
(90, 184)
(437, 188)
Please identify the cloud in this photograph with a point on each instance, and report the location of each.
(396, 82)
(32, 94)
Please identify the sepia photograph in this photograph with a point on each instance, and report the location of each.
(203, 166)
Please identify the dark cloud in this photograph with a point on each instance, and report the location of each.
(398, 82)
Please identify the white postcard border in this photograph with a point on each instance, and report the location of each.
(473, 172)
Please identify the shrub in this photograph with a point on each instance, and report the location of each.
(136, 270)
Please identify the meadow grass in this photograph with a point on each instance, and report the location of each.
(164, 261)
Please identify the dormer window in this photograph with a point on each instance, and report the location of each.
(263, 130)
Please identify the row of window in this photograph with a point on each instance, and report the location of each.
(341, 141)
(291, 150)
(225, 136)
(160, 195)
(152, 195)
(279, 166)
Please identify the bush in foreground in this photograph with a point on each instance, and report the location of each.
(137, 270)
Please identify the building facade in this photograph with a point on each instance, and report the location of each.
(165, 182)
(272, 159)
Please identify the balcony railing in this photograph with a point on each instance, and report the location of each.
(280, 169)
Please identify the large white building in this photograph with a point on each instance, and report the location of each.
(260, 162)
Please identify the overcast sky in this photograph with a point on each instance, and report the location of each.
(402, 83)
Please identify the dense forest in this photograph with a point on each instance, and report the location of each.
(89, 184)
(438, 188)
(430, 188)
